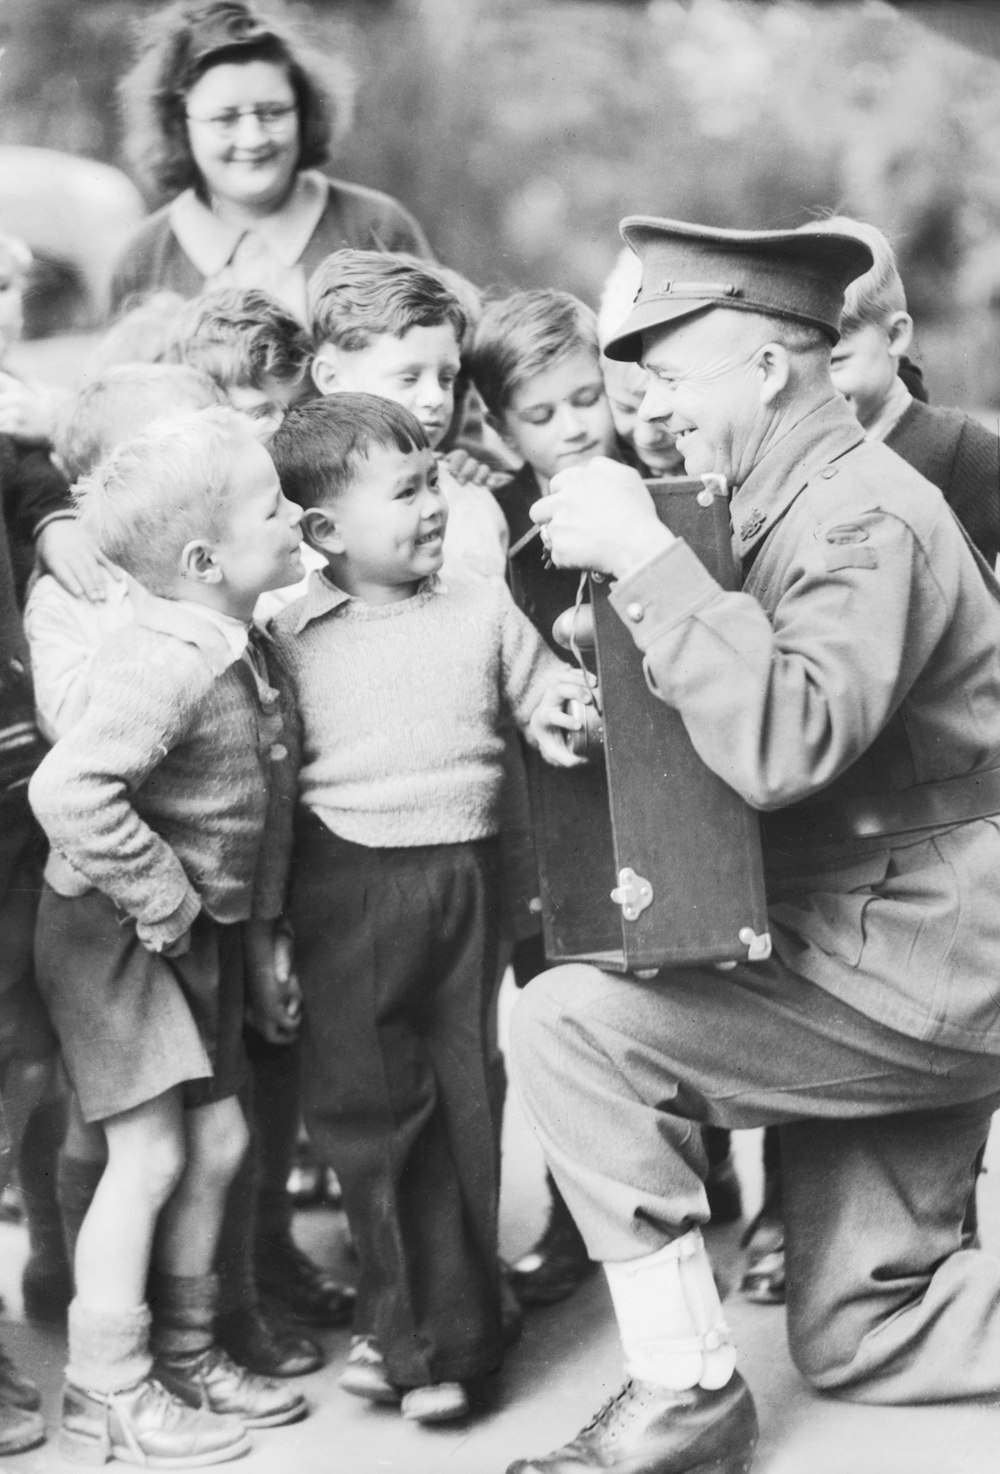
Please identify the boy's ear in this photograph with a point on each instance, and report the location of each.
(320, 530)
(197, 562)
(899, 328)
(324, 368)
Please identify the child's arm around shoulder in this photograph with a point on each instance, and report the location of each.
(64, 632)
(537, 684)
(144, 693)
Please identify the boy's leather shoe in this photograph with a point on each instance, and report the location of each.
(264, 1345)
(313, 1296)
(439, 1402)
(647, 1429)
(20, 1429)
(17, 1390)
(212, 1380)
(556, 1266)
(722, 1188)
(364, 1374)
(145, 1424)
(763, 1279)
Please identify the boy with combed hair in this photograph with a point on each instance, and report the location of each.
(402, 680)
(168, 809)
(954, 451)
(247, 342)
(393, 326)
(535, 361)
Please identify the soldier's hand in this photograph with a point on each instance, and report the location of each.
(600, 516)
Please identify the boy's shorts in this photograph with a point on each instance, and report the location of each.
(133, 1024)
(25, 1031)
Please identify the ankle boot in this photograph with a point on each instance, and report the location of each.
(646, 1429)
(260, 1342)
(558, 1264)
(144, 1424)
(113, 1408)
(288, 1276)
(192, 1366)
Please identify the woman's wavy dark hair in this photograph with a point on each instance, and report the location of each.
(185, 41)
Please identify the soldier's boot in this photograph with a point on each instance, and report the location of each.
(684, 1410)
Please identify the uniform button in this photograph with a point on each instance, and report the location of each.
(535, 905)
(279, 752)
(828, 473)
(635, 612)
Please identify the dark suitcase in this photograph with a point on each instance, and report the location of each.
(649, 859)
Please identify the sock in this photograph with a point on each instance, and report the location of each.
(183, 1308)
(670, 1317)
(108, 1350)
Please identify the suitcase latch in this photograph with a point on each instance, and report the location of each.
(633, 894)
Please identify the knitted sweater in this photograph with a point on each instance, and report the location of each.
(962, 458)
(174, 791)
(401, 706)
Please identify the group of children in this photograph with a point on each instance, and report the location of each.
(282, 674)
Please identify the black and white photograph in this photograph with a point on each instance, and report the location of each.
(500, 736)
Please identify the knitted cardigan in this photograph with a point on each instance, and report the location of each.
(175, 790)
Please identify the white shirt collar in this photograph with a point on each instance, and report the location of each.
(234, 631)
(891, 413)
(211, 241)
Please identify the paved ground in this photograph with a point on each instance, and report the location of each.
(566, 1364)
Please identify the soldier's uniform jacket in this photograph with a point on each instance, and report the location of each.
(861, 657)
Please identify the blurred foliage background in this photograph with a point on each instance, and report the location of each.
(519, 131)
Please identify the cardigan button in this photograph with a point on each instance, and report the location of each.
(279, 752)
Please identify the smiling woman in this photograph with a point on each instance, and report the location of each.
(229, 112)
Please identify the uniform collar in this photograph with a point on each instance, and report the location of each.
(821, 436)
(210, 242)
(221, 639)
(322, 596)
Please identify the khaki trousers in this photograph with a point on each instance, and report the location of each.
(879, 1135)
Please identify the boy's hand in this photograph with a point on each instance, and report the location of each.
(70, 556)
(552, 722)
(466, 469)
(600, 516)
(177, 948)
(274, 995)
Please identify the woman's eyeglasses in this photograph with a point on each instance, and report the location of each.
(273, 117)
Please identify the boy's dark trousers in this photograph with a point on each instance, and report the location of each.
(396, 951)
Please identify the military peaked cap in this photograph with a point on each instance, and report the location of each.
(800, 274)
